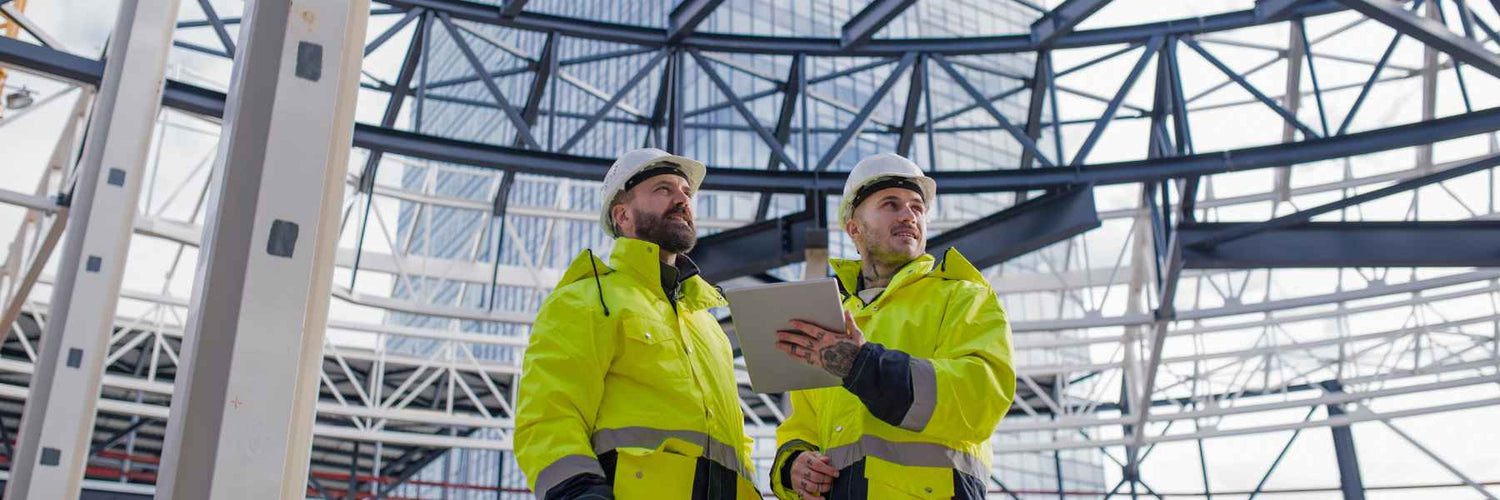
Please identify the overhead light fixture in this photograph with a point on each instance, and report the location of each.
(20, 99)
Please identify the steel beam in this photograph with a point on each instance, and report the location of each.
(513, 8)
(1434, 456)
(1269, 470)
(218, 25)
(1374, 77)
(1062, 19)
(522, 130)
(242, 414)
(59, 165)
(201, 48)
(1244, 230)
(640, 75)
(754, 248)
(795, 81)
(914, 92)
(118, 435)
(1350, 482)
(1026, 143)
(857, 124)
(871, 20)
(1114, 103)
(1023, 228)
(716, 42)
(503, 158)
(413, 61)
(1041, 82)
(1275, 10)
(1430, 80)
(1296, 52)
(546, 67)
(34, 267)
(1348, 244)
(353, 489)
(1245, 84)
(1170, 264)
(675, 136)
(777, 149)
(50, 61)
(686, 17)
(663, 104)
(397, 97)
(1430, 32)
(57, 426)
(206, 102)
(1026, 227)
(412, 467)
(386, 35)
(25, 23)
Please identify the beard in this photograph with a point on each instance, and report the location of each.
(671, 234)
(878, 246)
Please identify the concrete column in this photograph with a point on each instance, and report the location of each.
(57, 424)
(243, 406)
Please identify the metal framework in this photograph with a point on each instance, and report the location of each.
(1161, 262)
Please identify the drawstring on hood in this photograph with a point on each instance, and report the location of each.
(597, 284)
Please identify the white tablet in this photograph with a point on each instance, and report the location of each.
(760, 311)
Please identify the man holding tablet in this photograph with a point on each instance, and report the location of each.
(627, 388)
(924, 355)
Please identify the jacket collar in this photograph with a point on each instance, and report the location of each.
(641, 262)
(952, 266)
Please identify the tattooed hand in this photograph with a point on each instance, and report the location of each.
(827, 349)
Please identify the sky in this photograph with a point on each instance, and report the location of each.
(1467, 439)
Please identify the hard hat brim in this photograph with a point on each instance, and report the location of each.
(928, 186)
(694, 170)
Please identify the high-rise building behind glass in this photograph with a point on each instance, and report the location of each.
(719, 137)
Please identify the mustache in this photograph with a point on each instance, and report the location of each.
(677, 210)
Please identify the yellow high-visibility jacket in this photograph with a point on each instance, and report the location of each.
(915, 415)
(618, 371)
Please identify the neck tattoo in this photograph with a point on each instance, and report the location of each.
(871, 277)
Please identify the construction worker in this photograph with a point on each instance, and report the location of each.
(627, 387)
(924, 354)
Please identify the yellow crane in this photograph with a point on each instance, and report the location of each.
(9, 29)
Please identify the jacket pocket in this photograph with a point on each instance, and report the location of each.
(652, 350)
(891, 480)
(653, 475)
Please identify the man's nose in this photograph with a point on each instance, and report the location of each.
(908, 214)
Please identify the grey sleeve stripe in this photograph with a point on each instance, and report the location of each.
(912, 453)
(923, 395)
(723, 453)
(564, 468)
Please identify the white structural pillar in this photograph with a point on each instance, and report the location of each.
(243, 405)
(57, 424)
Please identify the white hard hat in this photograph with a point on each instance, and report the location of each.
(634, 162)
(882, 168)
